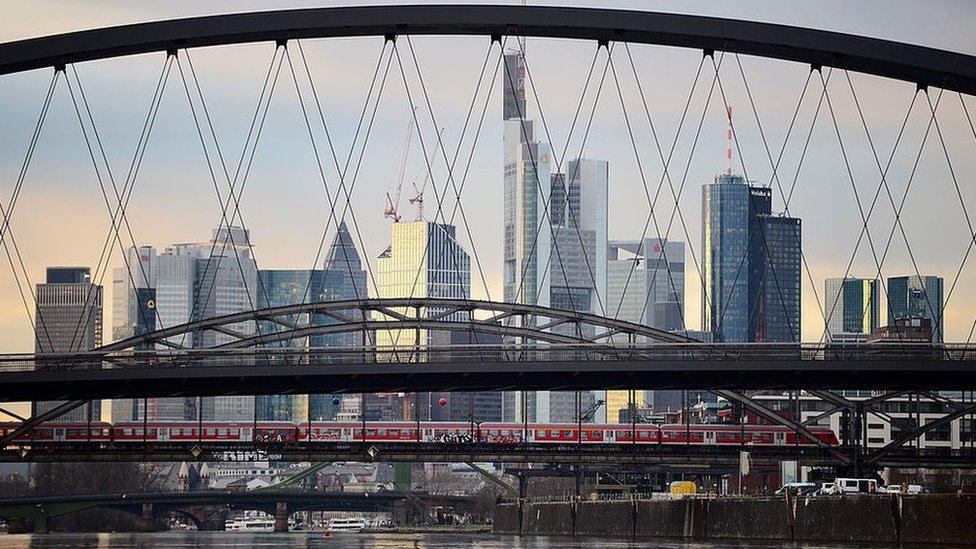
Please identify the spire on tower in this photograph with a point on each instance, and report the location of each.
(728, 138)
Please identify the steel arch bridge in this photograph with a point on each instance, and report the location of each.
(914, 64)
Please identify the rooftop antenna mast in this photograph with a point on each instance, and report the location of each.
(728, 139)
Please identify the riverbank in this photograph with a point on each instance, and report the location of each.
(432, 529)
(926, 519)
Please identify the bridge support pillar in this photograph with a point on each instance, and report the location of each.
(40, 524)
(281, 517)
(147, 520)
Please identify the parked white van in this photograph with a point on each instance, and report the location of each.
(855, 486)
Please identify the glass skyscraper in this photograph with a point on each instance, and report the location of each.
(751, 264)
(68, 318)
(917, 297)
(852, 306)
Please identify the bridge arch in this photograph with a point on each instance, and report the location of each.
(912, 63)
(528, 323)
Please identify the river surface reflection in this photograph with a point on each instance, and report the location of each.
(230, 540)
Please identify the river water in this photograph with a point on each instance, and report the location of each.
(231, 540)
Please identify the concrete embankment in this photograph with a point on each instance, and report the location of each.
(843, 519)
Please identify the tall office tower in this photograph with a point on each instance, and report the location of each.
(645, 285)
(917, 297)
(778, 317)
(423, 260)
(68, 319)
(281, 288)
(750, 263)
(133, 314)
(343, 279)
(526, 190)
(852, 308)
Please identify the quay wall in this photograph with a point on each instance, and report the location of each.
(506, 519)
(922, 519)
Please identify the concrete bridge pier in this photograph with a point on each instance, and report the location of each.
(281, 517)
(147, 519)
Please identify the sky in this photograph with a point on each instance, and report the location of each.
(61, 217)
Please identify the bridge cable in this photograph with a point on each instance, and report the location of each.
(118, 217)
(232, 195)
(760, 299)
(962, 204)
(128, 185)
(325, 185)
(341, 171)
(884, 172)
(877, 193)
(224, 221)
(775, 174)
(438, 196)
(652, 203)
(7, 213)
(897, 211)
(245, 161)
(972, 127)
(865, 219)
(533, 161)
(567, 206)
(450, 164)
(666, 176)
(554, 231)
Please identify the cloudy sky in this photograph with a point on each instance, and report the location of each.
(61, 217)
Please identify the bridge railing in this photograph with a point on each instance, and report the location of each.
(534, 353)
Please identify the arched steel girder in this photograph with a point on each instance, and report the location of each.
(917, 64)
(510, 319)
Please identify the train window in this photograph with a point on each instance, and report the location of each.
(221, 432)
(235, 432)
(643, 434)
(567, 433)
(598, 433)
(371, 432)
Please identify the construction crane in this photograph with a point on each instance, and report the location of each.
(418, 192)
(393, 200)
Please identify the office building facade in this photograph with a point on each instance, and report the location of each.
(67, 319)
(751, 264)
(853, 307)
(917, 297)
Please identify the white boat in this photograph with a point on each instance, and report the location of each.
(354, 524)
(250, 525)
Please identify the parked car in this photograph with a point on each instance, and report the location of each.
(892, 489)
(855, 486)
(825, 489)
(915, 489)
(799, 488)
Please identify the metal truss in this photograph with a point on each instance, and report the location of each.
(367, 316)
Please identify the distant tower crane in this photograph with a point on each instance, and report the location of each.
(393, 201)
(418, 192)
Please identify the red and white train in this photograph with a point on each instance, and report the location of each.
(407, 431)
